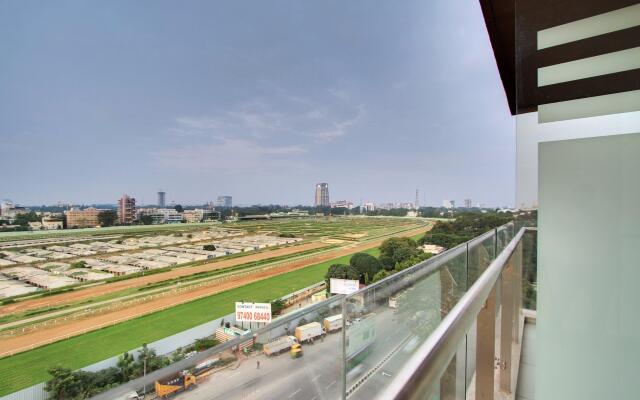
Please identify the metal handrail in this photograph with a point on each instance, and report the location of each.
(420, 375)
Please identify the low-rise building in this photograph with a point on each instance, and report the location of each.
(160, 215)
(9, 211)
(52, 223)
(87, 218)
(200, 215)
(433, 249)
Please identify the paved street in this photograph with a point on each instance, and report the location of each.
(317, 375)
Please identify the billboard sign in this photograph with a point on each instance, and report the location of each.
(253, 312)
(344, 286)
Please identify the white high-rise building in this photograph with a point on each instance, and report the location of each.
(322, 195)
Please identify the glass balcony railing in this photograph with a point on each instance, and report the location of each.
(424, 332)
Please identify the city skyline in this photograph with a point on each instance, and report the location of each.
(320, 198)
(205, 102)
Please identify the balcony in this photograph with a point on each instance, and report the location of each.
(449, 328)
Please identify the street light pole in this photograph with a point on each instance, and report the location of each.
(144, 374)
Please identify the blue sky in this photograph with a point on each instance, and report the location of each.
(255, 99)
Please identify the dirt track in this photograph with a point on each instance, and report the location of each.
(73, 328)
(100, 290)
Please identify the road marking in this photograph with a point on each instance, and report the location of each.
(295, 393)
(331, 384)
(316, 378)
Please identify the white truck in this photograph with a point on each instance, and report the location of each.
(393, 302)
(333, 323)
(280, 345)
(309, 332)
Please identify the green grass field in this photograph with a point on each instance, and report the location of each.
(29, 368)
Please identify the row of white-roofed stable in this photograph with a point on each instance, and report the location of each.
(54, 251)
(56, 274)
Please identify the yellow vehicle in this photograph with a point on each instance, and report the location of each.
(296, 350)
(175, 383)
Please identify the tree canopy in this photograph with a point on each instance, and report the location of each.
(366, 265)
(107, 217)
(146, 219)
(396, 250)
(465, 227)
(24, 219)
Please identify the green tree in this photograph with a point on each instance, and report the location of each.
(79, 264)
(398, 249)
(277, 306)
(387, 262)
(126, 365)
(209, 247)
(24, 219)
(366, 264)
(107, 217)
(64, 384)
(381, 275)
(146, 219)
(178, 208)
(465, 227)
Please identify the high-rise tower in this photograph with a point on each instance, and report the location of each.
(161, 199)
(322, 195)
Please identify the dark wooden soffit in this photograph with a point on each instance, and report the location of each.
(500, 18)
(513, 25)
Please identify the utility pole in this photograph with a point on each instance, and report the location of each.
(144, 374)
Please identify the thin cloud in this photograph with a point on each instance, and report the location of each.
(227, 154)
(202, 123)
(296, 119)
(340, 128)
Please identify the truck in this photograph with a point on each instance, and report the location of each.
(174, 384)
(309, 332)
(360, 336)
(280, 345)
(393, 302)
(333, 323)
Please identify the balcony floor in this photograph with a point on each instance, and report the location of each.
(526, 376)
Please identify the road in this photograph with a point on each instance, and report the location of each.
(315, 376)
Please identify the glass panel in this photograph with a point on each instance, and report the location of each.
(270, 365)
(386, 323)
(480, 256)
(315, 370)
(452, 383)
(471, 341)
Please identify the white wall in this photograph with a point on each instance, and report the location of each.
(529, 133)
(588, 326)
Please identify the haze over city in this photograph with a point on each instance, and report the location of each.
(108, 98)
